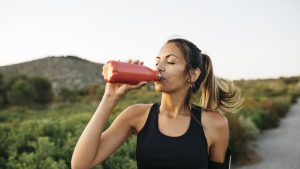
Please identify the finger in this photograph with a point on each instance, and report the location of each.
(129, 60)
(139, 85)
(136, 61)
(141, 62)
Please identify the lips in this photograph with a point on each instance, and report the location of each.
(162, 78)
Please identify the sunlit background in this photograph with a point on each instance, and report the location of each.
(48, 94)
(245, 39)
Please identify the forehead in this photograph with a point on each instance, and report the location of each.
(170, 48)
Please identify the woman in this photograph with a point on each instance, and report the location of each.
(173, 133)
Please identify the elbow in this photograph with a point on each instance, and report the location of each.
(77, 164)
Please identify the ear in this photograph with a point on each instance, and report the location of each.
(194, 74)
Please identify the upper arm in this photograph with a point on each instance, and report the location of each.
(116, 134)
(220, 138)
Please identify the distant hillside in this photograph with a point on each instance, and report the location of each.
(64, 72)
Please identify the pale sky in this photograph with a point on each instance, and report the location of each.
(244, 38)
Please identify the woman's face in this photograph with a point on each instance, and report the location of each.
(171, 64)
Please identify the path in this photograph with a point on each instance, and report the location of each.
(280, 147)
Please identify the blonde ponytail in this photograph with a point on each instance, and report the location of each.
(218, 94)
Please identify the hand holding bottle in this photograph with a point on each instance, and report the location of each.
(119, 90)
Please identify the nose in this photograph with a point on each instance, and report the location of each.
(160, 67)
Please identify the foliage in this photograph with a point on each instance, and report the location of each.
(67, 95)
(242, 131)
(2, 93)
(24, 91)
(43, 89)
(45, 138)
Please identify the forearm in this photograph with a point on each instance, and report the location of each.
(87, 145)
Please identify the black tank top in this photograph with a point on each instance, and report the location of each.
(156, 150)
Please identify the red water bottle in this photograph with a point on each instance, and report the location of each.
(128, 73)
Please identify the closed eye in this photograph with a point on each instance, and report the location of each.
(171, 63)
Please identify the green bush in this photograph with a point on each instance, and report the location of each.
(290, 80)
(67, 95)
(266, 112)
(95, 91)
(42, 156)
(2, 93)
(43, 89)
(22, 93)
(242, 131)
(38, 144)
(262, 119)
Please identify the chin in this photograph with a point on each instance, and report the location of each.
(158, 87)
(161, 88)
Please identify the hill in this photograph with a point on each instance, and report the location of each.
(69, 72)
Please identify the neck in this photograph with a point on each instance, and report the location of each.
(173, 104)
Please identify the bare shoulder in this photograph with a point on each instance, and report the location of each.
(217, 132)
(215, 120)
(217, 126)
(138, 114)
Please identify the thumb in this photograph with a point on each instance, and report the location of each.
(139, 85)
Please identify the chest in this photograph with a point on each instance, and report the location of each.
(173, 127)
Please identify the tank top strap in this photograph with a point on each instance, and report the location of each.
(196, 113)
(149, 124)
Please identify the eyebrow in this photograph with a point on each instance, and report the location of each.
(167, 56)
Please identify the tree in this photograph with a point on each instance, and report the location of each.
(2, 93)
(43, 89)
(22, 93)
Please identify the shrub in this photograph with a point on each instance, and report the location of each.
(22, 93)
(67, 95)
(43, 89)
(95, 91)
(242, 130)
(2, 93)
